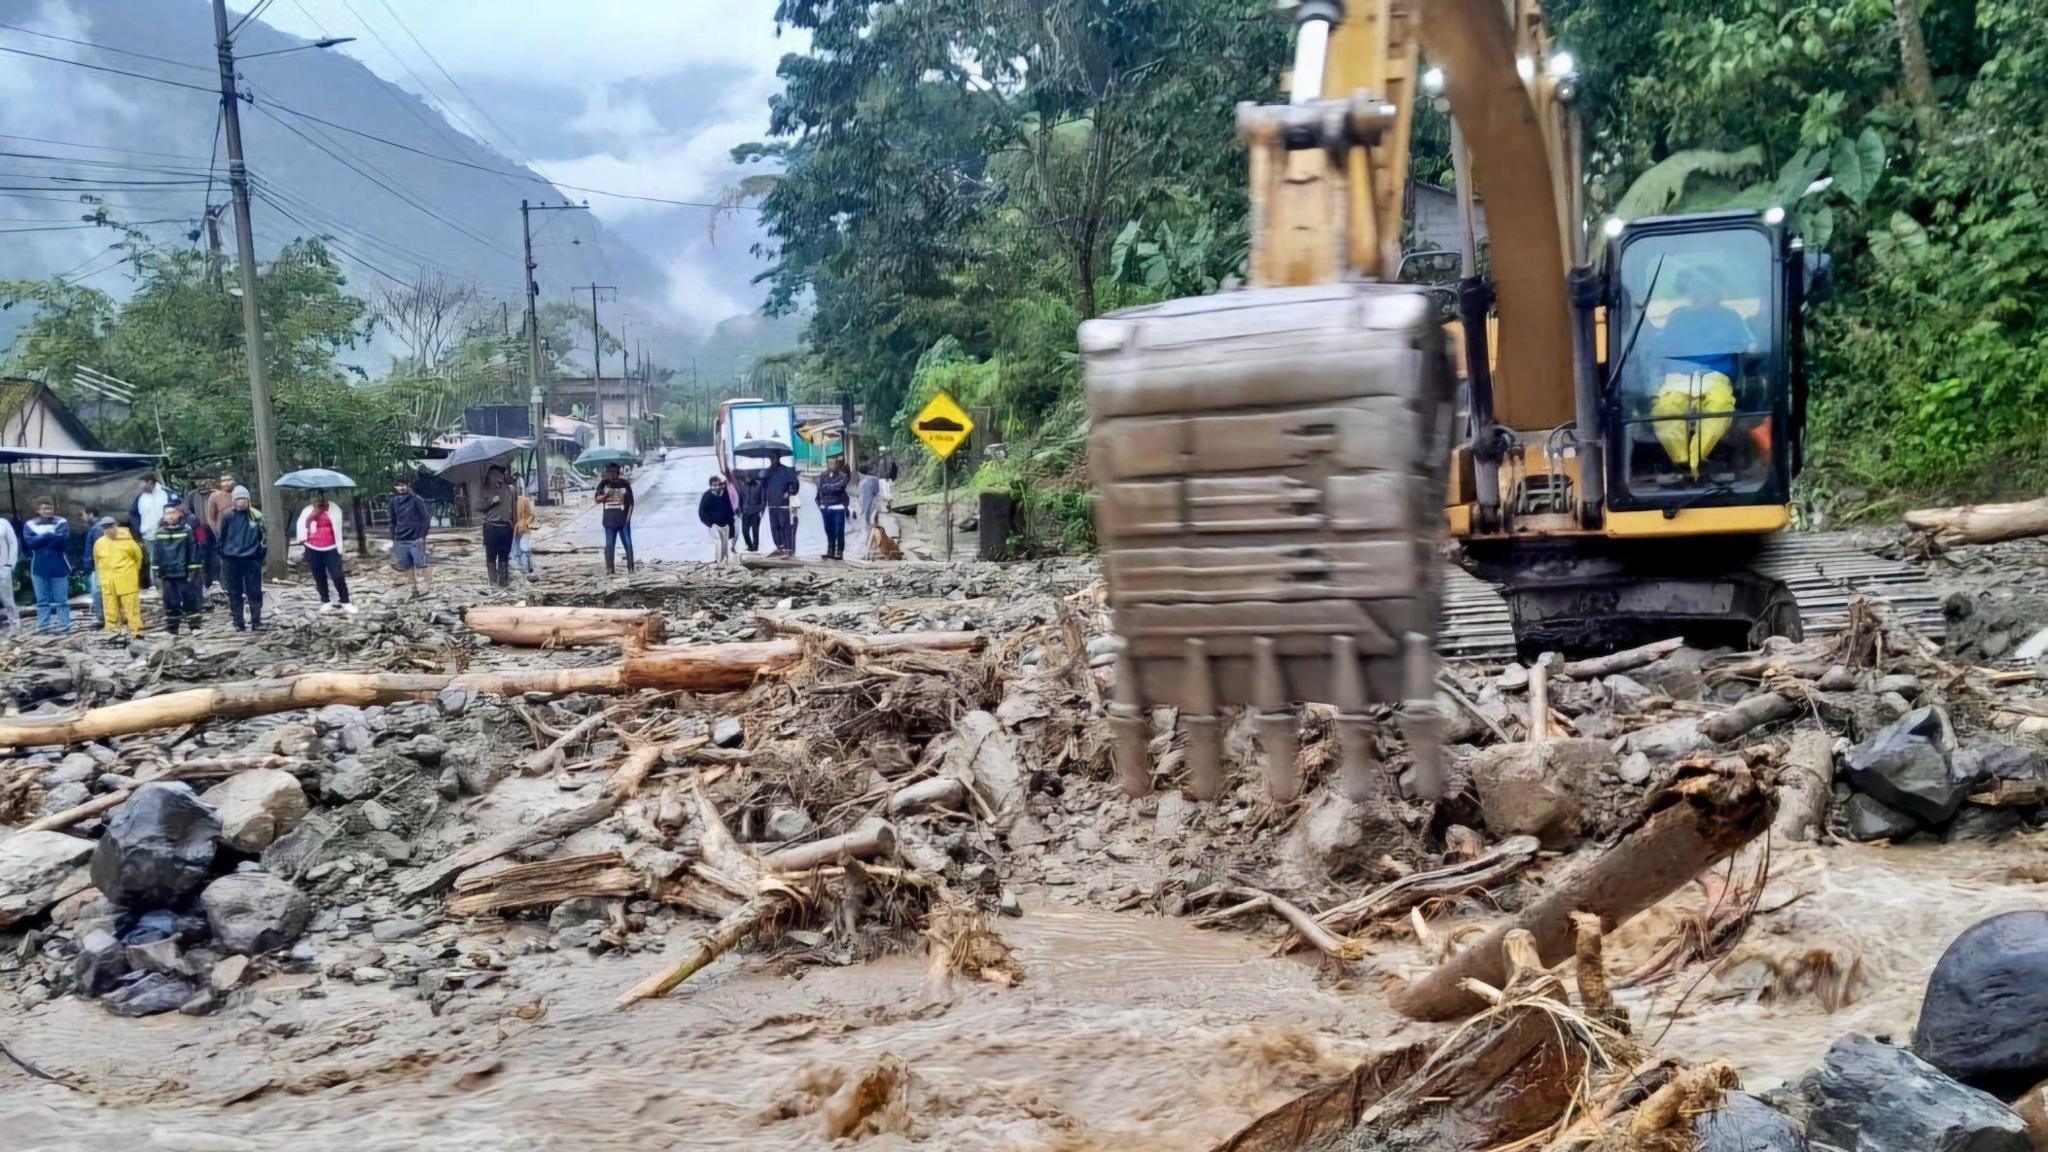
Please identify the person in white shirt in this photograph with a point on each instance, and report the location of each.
(320, 530)
(146, 513)
(10, 555)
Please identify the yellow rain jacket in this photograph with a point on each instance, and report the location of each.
(1707, 397)
(118, 560)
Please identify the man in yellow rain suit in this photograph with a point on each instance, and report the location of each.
(1699, 346)
(118, 560)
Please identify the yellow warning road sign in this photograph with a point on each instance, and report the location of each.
(943, 425)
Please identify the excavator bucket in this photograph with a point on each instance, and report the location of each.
(1269, 469)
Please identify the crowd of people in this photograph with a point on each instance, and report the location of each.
(214, 536)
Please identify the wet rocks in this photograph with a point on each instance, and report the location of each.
(1540, 789)
(1867, 818)
(1872, 1097)
(1744, 1123)
(257, 807)
(1986, 762)
(251, 912)
(1904, 766)
(101, 962)
(38, 869)
(787, 824)
(1984, 1019)
(728, 732)
(148, 994)
(158, 848)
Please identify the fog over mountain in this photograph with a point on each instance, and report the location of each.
(474, 104)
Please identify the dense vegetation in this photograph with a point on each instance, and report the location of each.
(962, 181)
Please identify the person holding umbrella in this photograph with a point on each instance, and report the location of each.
(753, 503)
(320, 529)
(410, 519)
(500, 508)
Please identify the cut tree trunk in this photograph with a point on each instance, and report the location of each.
(1702, 818)
(1752, 713)
(537, 627)
(1806, 787)
(1619, 662)
(545, 884)
(1982, 523)
(873, 838)
(687, 668)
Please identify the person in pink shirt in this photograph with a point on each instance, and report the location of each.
(320, 530)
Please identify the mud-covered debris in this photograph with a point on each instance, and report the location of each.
(251, 912)
(1866, 818)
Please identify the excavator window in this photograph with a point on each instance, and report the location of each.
(1695, 368)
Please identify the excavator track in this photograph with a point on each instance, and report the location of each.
(1824, 574)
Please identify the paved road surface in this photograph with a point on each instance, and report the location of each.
(665, 523)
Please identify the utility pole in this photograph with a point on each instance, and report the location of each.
(536, 390)
(597, 355)
(626, 388)
(252, 319)
(215, 259)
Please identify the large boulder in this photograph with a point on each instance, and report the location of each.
(1872, 1097)
(1744, 1123)
(251, 912)
(257, 807)
(1984, 1019)
(158, 848)
(38, 869)
(1540, 789)
(1904, 766)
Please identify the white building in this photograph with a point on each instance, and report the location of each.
(32, 417)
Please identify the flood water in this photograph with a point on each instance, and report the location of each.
(1128, 1032)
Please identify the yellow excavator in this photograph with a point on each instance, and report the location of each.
(1609, 426)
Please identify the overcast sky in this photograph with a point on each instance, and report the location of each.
(640, 96)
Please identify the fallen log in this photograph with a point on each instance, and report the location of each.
(524, 626)
(1982, 523)
(546, 883)
(1481, 872)
(1806, 787)
(620, 788)
(1703, 817)
(542, 759)
(937, 792)
(685, 668)
(873, 838)
(1751, 713)
(1618, 662)
(1318, 936)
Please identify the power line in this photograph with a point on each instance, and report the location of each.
(253, 14)
(84, 162)
(106, 224)
(116, 71)
(100, 147)
(456, 84)
(382, 183)
(105, 48)
(423, 85)
(112, 186)
(325, 237)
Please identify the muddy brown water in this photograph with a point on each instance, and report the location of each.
(1129, 1032)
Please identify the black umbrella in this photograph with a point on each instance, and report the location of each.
(764, 449)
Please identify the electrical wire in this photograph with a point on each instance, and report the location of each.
(106, 48)
(100, 147)
(517, 148)
(211, 91)
(386, 185)
(327, 238)
(253, 14)
(442, 130)
(306, 208)
(82, 225)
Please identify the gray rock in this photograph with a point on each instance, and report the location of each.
(1009, 905)
(291, 855)
(357, 739)
(1988, 761)
(1904, 766)
(1540, 789)
(158, 848)
(350, 779)
(578, 911)
(228, 973)
(389, 846)
(728, 732)
(1839, 678)
(204, 1002)
(38, 869)
(395, 929)
(1681, 675)
(63, 798)
(1636, 768)
(113, 782)
(257, 807)
(1904, 685)
(103, 756)
(335, 717)
(150, 994)
(1872, 1097)
(1744, 1123)
(1667, 741)
(251, 912)
(100, 964)
(378, 816)
(1628, 694)
(426, 748)
(1974, 823)
(785, 824)
(1867, 818)
(1984, 1019)
(75, 768)
(453, 701)
(157, 956)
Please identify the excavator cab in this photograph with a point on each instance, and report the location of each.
(1704, 378)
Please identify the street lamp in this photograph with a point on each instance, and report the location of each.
(324, 42)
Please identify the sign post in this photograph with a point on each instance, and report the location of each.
(944, 426)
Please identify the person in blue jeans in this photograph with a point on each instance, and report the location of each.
(615, 497)
(833, 500)
(99, 525)
(44, 539)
